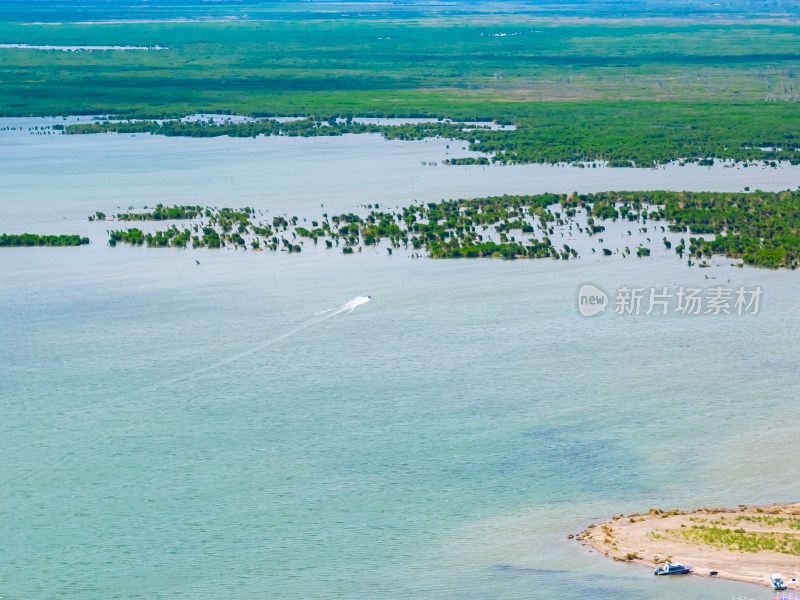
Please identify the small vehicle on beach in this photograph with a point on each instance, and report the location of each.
(777, 582)
(669, 568)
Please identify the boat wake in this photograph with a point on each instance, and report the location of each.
(347, 307)
(319, 317)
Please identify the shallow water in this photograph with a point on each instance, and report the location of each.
(173, 429)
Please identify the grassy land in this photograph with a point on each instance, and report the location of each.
(639, 92)
(742, 540)
(387, 66)
(643, 92)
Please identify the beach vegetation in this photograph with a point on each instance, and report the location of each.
(741, 539)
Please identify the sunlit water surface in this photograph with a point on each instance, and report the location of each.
(219, 424)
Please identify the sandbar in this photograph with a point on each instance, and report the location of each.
(741, 544)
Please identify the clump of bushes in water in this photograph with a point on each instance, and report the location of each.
(30, 239)
(160, 213)
(225, 225)
(135, 237)
(470, 160)
(759, 228)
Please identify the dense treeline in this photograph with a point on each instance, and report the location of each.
(634, 134)
(310, 127)
(29, 239)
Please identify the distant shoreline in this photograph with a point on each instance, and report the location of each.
(744, 544)
(79, 48)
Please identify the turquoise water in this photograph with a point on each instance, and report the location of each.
(173, 429)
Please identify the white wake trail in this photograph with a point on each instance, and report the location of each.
(347, 307)
(318, 317)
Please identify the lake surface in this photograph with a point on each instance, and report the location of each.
(173, 429)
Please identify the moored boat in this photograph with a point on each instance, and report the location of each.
(777, 582)
(669, 568)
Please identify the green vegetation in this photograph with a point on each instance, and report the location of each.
(633, 134)
(159, 213)
(760, 228)
(29, 239)
(790, 522)
(629, 93)
(386, 65)
(160, 239)
(223, 225)
(741, 539)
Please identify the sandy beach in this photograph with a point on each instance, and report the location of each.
(741, 544)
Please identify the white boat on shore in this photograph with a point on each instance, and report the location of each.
(777, 582)
(669, 568)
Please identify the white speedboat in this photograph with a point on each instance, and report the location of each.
(777, 582)
(669, 568)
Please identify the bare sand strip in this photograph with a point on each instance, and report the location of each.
(742, 544)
